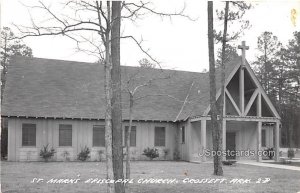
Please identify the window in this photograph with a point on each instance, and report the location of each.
(99, 136)
(65, 135)
(182, 134)
(28, 134)
(132, 135)
(160, 136)
(263, 138)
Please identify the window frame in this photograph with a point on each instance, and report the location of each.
(156, 144)
(102, 127)
(59, 135)
(28, 145)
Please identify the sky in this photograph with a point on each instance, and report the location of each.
(178, 43)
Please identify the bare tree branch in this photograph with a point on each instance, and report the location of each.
(138, 43)
(143, 6)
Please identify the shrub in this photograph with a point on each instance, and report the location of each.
(291, 153)
(84, 154)
(270, 152)
(151, 153)
(228, 162)
(46, 153)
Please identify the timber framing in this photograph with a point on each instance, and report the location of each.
(250, 103)
(239, 118)
(235, 69)
(233, 102)
(258, 93)
(247, 105)
(262, 91)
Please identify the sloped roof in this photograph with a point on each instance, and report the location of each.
(37, 87)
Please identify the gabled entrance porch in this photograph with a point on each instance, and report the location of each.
(246, 111)
(246, 136)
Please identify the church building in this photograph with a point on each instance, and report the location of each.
(62, 104)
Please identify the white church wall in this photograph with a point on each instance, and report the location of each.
(47, 132)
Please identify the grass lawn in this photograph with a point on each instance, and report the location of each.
(16, 177)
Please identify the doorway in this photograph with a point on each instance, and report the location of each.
(230, 144)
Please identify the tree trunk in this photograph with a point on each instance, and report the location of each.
(116, 97)
(291, 128)
(212, 80)
(128, 137)
(224, 41)
(108, 111)
(108, 126)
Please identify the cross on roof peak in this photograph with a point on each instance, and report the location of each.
(243, 47)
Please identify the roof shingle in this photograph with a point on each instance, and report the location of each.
(37, 87)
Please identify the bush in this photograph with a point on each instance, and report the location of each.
(228, 162)
(291, 153)
(270, 152)
(151, 153)
(84, 154)
(46, 153)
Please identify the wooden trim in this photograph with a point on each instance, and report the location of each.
(224, 136)
(236, 118)
(224, 103)
(258, 105)
(235, 69)
(258, 145)
(252, 75)
(233, 102)
(250, 102)
(241, 90)
(263, 119)
(230, 76)
(268, 101)
(277, 141)
(189, 140)
(90, 119)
